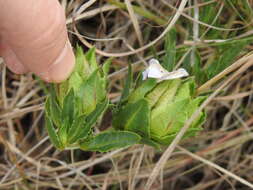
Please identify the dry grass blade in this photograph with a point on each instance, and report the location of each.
(221, 75)
(170, 25)
(134, 21)
(91, 13)
(84, 7)
(211, 164)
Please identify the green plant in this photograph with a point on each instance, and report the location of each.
(157, 111)
(152, 113)
(76, 105)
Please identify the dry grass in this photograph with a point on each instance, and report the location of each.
(220, 157)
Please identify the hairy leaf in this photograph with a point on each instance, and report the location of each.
(107, 141)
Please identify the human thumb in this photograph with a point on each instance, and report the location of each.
(33, 38)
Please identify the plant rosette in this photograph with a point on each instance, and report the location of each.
(159, 107)
(76, 105)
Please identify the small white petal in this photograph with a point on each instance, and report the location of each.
(153, 62)
(175, 74)
(155, 70)
(144, 75)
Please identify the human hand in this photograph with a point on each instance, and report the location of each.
(33, 38)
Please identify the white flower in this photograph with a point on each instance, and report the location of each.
(155, 70)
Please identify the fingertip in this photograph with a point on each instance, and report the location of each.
(62, 66)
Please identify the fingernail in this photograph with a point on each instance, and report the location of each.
(62, 67)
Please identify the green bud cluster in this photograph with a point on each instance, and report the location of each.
(158, 111)
(74, 106)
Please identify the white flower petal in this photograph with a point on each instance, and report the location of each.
(155, 70)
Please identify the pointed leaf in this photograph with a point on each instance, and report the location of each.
(142, 90)
(157, 92)
(169, 94)
(78, 126)
(53, 110)
(169, 59)
(52, 133)
(134, 117)
(63, 132)
(166, 140)
(225, 57)
(91, 58)
(87, 94)
(197, 71)
(107, 141)
(168, 118)
(62, 92)
(81, 131)
(79, 66)
(75, 81)
(100, 109)
(150, 142)
(186, 90)
(127, 85)
(68, 110)
(106, 67)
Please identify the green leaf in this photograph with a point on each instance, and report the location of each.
(91, 58)
(168, 118)
(83, 127)
(194, 104)
(142, 90)
(166, 140)
(106, 67)
(62, 92)
(75, 81)
(134, 117)
(79, 66)
(63, 132)
(100, 88)
(199, 121)
(150, 142)
(225, 58)
(53, 110)
(100, 109)
(52, 133)
(68, 110)
(127, 85)
(186, 90)
(78, 126)
(87, 94)
(197, 72)
(76, 77)
(169, 94)
(154, 95)
(169, 59)
(107, 141)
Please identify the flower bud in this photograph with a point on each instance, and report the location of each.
(75, 105)
(158, 111)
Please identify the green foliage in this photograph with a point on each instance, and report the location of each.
(134, 117)
(151, 113)
(128, 84)
(77, 104)
(111, 140)
(169, 60)
(158, 111)
(225, 56)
